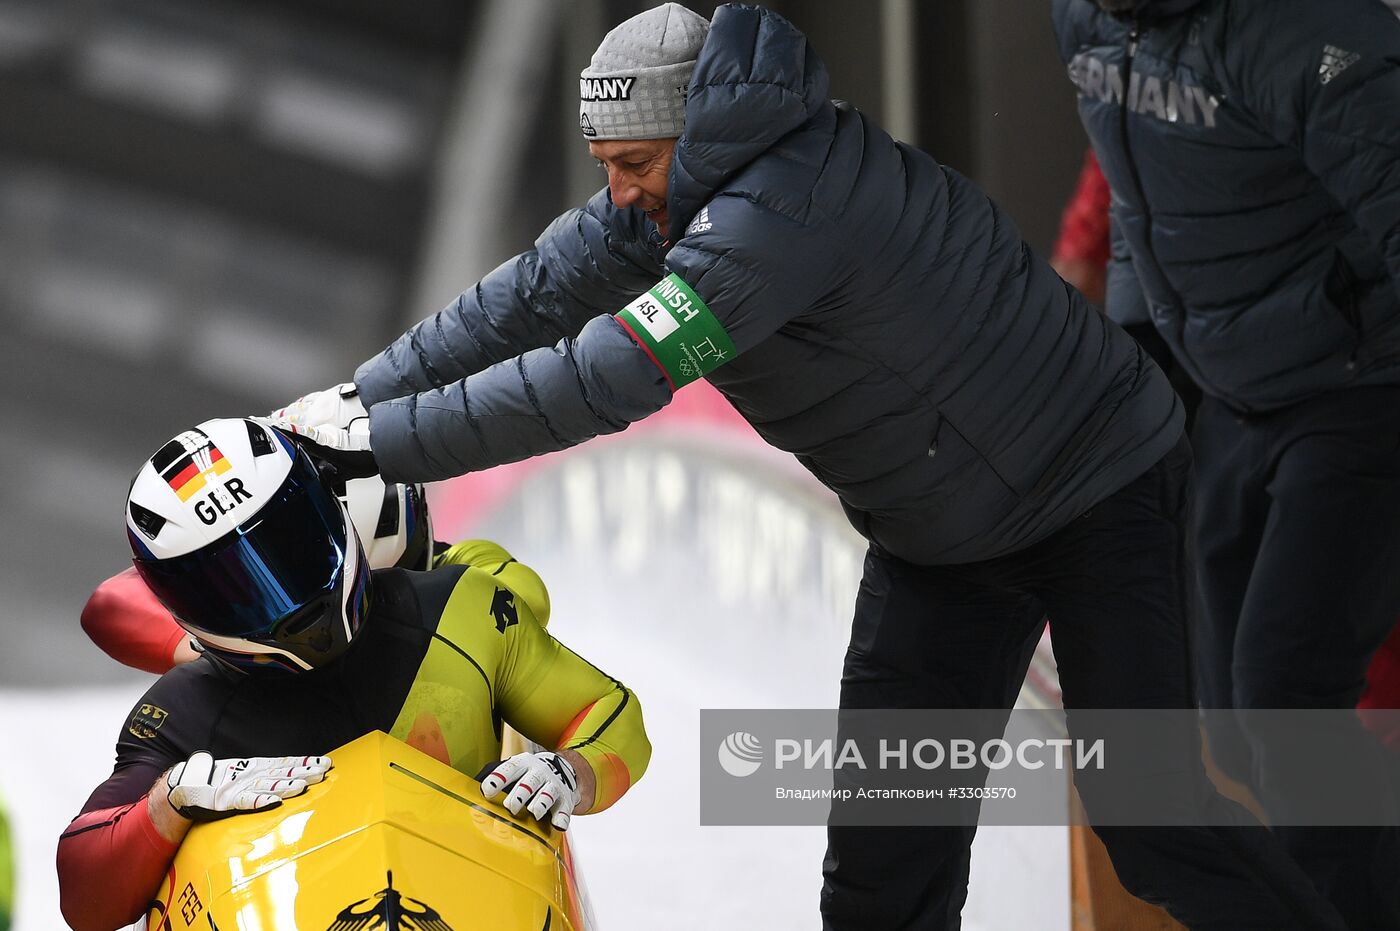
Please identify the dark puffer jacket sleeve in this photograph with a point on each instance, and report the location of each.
(587, 262)
(1342, 111)
(539, 402)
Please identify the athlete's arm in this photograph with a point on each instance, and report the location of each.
(559, 700)
(131, 845)
(112, 856)
(129, 624)
(551, 695)
(493, 558)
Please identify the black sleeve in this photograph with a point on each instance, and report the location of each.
(168, 723)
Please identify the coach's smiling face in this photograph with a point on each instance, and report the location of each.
(639, 172)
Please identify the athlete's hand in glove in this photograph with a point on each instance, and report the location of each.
(544, 780)
(205, 789)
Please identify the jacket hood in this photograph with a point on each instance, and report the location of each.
(755, 81)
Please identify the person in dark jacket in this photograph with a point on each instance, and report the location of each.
(1008, 452)
(1256, 177)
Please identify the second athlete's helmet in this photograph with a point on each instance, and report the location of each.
(235, 531)
(392, 522)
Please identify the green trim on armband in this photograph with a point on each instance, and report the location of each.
(677, 330)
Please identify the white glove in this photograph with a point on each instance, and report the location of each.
(334, 418)
(336, 406)
(354, 439)
(546, 780)
(205, 789)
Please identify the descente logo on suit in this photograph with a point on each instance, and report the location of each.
(606, 88)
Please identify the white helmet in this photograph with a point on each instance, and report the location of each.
(234, 529)
(392, 521)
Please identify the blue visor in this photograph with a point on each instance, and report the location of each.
(288, 556)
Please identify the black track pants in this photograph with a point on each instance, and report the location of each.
(1114, 586)
(1298, 538)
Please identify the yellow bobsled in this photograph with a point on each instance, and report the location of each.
(393, 839)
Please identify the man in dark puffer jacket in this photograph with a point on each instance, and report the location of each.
(1008, 452)
(1256, 179)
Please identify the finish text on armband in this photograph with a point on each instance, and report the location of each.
(671, 293)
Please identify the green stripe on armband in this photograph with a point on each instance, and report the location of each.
(678, 331)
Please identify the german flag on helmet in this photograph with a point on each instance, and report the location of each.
(188, 462)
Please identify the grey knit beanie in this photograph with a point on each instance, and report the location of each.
(635, 86)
